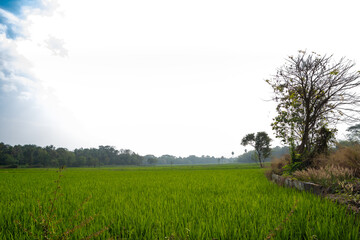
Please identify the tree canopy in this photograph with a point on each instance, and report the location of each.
(354, 133)
(50, 156)
(313, 93)
(261, 143)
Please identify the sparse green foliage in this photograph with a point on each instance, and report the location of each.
(313, 93)
(261, 143)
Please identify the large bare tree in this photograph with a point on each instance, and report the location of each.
(313, 93)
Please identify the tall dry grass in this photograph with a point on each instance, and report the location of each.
(345, 157)
(327, 176)
(278, 164)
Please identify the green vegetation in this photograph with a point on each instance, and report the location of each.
(182, 202)
(49, 156)
(354, 133)
(313, 93)
(276, 152)
(261, 143)
(218, 201)
(341, 166)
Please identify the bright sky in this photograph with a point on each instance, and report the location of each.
(156, 77)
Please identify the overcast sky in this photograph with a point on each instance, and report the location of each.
(157, 77)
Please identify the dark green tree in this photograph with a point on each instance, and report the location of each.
(152, 160)
(354, 133)
(313, 93)
(261, 143)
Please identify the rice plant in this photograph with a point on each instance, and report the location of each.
(187, 202)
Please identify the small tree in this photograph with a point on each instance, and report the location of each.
(313, 93)
(354, 133)
(261, 143)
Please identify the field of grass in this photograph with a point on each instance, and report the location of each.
(187, 202)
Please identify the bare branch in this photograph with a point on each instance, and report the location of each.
(313, 92)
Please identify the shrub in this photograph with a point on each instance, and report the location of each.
(328, 176)
(268, 173)
(345, 157)
(278, 164)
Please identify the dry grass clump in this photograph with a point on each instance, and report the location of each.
(326, 176)
(345, 157)
(277, 164)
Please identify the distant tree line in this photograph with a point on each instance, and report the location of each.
(35, 156)
(276, 152)
(192, 159)
(49, 156)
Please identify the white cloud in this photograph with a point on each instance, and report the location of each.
(25, 96)
(14, 68)
(9, 88)
(29, 111)
(10, 18)
(56, 46)
(10, 25)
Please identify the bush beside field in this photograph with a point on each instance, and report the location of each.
(338, 171)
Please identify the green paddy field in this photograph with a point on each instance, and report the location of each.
(185, 202)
